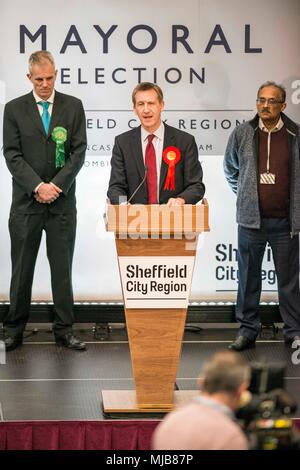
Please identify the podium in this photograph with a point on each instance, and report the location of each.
(156, 248)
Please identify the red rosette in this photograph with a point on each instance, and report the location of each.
(171, 155)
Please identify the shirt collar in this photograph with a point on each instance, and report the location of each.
(212, 403)
(277, 128)
(158, 133)
(38, 98)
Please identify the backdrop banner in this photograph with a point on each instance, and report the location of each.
(209, 57)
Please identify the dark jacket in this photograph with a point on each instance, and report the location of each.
(30, 153)
(128, 170)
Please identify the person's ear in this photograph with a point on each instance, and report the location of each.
(200, 382)
(283, 106)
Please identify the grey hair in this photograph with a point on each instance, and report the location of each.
(39, 57)
(224, 372)
(275, 85)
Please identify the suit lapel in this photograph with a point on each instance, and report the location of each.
(57, 110)
(168, 140)
(137, 151)
(35, 116)
(33, 112)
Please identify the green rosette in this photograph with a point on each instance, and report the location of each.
(59, 136)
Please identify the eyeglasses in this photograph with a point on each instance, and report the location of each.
(270, 101)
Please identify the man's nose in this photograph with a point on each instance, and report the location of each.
(45, 82)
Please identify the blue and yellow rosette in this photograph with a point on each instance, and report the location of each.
(59, 136)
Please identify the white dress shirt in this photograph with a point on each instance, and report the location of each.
(158, 143)
(40, 109)
(49, 100)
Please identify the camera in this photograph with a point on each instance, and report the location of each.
(266, 415)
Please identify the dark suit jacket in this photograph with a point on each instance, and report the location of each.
(30, 153)
(128, 170)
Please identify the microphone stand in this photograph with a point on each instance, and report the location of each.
(141, 184)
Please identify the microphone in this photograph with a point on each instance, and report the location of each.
(141, 184)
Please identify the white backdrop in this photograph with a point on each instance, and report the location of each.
(210, 74)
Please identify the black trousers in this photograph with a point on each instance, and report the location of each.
(26, 233)
(251, 248)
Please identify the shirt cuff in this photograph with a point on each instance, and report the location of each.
(38, 187)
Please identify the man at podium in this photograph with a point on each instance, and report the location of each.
(154, 163)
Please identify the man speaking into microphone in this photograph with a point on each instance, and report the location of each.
(154, 163)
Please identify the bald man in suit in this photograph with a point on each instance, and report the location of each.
(44, 140)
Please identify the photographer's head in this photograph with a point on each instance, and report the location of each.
(208, 421)
(225, 377)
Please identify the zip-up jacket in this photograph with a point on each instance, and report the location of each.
(241, 172)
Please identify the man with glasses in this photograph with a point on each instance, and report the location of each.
(262, 167)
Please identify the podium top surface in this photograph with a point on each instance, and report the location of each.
(157, 219)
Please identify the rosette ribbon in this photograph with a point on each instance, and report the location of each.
(171, 156)
(59, 136)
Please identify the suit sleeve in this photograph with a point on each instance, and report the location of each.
(194, 188)
(66, 176)
(118, 185)
(21, 171)
(231, 162)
